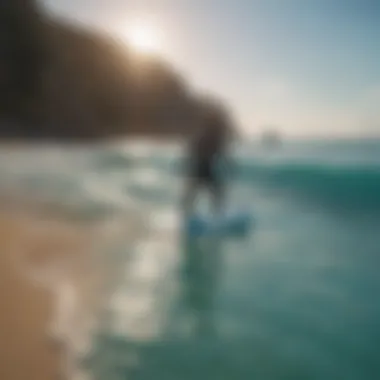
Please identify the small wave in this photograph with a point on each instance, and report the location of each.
(350, 187)
(348, 183)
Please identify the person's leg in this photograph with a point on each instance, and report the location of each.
(217, 191)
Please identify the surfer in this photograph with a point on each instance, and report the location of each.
(207, 149)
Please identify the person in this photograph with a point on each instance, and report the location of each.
(208, 149)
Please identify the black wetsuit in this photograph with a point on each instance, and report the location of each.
(205, 152)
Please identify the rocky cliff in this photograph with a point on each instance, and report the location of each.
(62, 81)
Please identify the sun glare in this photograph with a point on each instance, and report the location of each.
(144, 38)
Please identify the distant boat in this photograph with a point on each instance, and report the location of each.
(270, 139)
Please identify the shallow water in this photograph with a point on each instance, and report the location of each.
(296, 299)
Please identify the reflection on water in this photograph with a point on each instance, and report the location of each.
(201, 276)
(296, 304)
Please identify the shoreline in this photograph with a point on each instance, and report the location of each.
(53, 281)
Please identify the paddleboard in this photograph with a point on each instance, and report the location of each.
(231, 224)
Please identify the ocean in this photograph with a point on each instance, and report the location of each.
(295, 299)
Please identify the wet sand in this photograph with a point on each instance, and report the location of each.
(33, 243)
(25, 312)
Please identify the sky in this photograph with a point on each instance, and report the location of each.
(304, 67)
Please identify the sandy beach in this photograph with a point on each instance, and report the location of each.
(50, 285)
(25, 312)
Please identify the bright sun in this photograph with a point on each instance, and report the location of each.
(143, 37)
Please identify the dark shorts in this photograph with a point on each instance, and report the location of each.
(204, 173)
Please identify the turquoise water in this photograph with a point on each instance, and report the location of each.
(296, 299)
